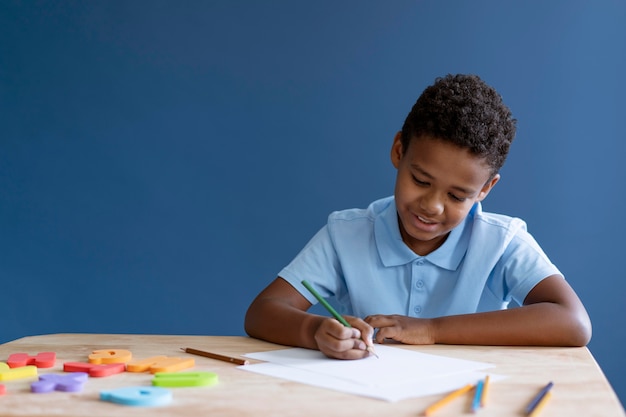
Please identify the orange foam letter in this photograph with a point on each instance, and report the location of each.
(110, 356)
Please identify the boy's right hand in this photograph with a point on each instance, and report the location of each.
(339, 342)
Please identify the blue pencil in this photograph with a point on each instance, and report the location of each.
(478, 394)
(535, 402)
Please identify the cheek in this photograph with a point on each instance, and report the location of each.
(402, 187)
(456, 214)
(406, 186)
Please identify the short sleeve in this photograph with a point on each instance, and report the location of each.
(317, 263)
(522, 265)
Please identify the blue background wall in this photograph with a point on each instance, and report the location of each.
(160, 161)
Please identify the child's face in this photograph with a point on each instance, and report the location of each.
(436, 186)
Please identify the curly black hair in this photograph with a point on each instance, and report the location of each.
(464, 110)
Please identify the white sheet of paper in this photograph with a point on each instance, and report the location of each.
(394, 366)
(397, 375)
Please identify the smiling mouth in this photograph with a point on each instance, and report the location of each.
(425, 221)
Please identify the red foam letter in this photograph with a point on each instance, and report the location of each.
(95, 370)
(42, 360)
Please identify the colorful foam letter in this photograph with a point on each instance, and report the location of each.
(68, 383)
(42, 360)
(110, 356)
(143, 365)
(95, 370)
(138, 396)
(8, 374)
(2, 389)
(160, 364)
(184, 379)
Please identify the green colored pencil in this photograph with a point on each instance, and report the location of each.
(328, 307)
(332, 311)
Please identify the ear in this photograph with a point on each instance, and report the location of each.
(488, 187)
(396, 150)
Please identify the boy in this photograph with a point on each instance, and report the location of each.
(428, 265)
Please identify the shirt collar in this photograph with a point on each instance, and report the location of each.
(393, 251)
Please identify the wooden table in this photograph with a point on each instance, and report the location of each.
(580, 387)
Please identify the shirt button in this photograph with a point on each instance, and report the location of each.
(419, 285)
(417, 309)
(419, 262)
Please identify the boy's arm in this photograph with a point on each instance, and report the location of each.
(278, 314)
(552, 315)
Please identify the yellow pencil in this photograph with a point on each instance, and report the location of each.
(540, 404)
(483, 397)
(445, 400)
(530, 409)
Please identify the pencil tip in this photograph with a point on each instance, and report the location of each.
(371, 350)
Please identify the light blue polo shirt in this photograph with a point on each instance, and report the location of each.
(359, 258)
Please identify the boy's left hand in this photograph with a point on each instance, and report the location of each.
(403, 329)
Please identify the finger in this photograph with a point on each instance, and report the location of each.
(334, 336)
(383, 333)
(366, 331)
(343, 349)
(380, 320)
(385, 326)
(353, 354)
(337, 345)
(357, 352)
(337, 330)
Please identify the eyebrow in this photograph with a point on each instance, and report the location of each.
(455, 187)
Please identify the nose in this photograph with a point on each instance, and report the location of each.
(431, 203)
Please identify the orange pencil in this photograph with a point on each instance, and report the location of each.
(448, 398)
(483, 398)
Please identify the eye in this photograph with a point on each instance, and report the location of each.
(418, 182)
(456, 198)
